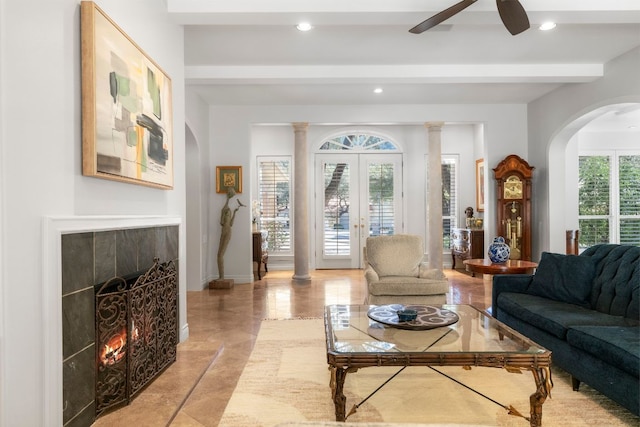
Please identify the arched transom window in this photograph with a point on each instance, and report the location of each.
(358, 142)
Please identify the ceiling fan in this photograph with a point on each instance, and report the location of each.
(511, 12)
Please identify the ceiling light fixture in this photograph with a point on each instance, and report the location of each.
(546, 26)
(304, 26)
(377, 90)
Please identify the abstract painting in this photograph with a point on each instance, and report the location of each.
(127, 128)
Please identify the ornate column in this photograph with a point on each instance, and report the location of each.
(434, 195)
(300, 204)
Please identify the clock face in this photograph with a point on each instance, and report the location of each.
(513, 188)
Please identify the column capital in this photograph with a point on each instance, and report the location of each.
(434, 125)
(300, 126)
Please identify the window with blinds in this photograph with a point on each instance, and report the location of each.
(449, 197)
(274, 202)
(609, 198)
(629, 191)
(449, 166)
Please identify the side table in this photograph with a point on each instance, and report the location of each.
(512, 266)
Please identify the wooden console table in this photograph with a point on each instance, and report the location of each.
(260, 253)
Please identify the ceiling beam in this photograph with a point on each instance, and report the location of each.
(440, 73)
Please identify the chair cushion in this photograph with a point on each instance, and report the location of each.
(565, 278)
(400, 285)
(396, 255)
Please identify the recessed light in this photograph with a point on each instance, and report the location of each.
(377, 90)
(304, 26)
(546, 26)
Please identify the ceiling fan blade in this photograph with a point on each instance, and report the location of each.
(513, 16)
(441, 16)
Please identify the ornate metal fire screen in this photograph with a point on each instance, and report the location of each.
(136, 333)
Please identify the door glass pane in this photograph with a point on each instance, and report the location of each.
(381, 199)
(336, 209)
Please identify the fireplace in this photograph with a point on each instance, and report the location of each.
(84, 253)
(136, 333)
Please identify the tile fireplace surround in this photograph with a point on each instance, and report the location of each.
(81, 252)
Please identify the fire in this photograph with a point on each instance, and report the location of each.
(114, 350)
(135, 334)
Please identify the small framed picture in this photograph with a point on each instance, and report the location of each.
(480, 185)
(228, 176)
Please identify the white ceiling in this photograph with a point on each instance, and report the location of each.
(248, 52)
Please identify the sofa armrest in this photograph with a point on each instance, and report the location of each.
(508, 283)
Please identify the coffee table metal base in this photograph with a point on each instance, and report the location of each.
(500, 347)
(541, 376)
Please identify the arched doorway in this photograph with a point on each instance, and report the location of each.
(195, 280)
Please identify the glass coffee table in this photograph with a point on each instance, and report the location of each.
(448, 335)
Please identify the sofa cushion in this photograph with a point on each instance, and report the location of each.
(554, 317)
(395, 285)
(566, 278)
(616, 345)
(396, 255)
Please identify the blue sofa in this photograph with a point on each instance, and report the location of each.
(585, 309)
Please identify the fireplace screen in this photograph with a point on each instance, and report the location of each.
(136, 333)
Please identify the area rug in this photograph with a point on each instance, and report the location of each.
(286, 380)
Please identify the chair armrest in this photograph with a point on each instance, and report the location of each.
(370, 274)
(508, 283)
(425, 272)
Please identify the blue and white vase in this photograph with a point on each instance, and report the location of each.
(498, 251)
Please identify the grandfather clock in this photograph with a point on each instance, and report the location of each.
(513, 178)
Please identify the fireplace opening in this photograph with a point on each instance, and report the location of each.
(136, 332)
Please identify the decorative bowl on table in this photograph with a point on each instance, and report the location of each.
(407, 315)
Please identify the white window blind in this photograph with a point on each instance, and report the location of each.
(449, 165)
(594, 182)
(274, 203)
(449, 197)
(609, 198)
(629, 191)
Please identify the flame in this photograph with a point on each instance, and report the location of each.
(114, 350)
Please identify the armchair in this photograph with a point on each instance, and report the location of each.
(395, 273)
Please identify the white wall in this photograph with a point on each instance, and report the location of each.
(234, 130)
(553, 120)
(41, 167)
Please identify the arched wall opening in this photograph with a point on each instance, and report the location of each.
(195, 273)
(562, 218)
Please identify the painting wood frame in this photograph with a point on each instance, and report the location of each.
(480, 185)
(228, 176)
(127, 119)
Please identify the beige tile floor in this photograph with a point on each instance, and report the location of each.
(223, 325)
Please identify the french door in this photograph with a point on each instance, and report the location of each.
(357, 195)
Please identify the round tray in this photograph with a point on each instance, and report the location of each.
(429, 317)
